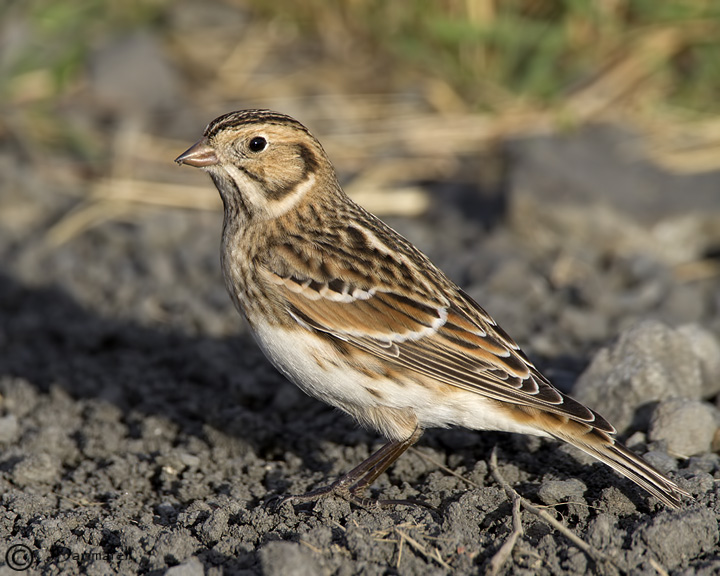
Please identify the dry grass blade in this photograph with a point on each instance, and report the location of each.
(697, 270)
(658, 567)
(434, 554)
(113, 198)
(82, 218)
(157, 194)
(622, 76)
(400, 536)
(681, 146)
(410, 201)
(308, 545)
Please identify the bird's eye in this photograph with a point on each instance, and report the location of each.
(257, 144)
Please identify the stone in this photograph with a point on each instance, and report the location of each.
(649, 362)
(687, 427)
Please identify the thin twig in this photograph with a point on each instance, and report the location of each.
(502, 555)
(595, 554)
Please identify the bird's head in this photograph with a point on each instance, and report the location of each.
(263, 163)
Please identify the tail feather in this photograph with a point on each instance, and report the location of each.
(606, 449)
(599, 442)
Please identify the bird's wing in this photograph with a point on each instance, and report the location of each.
(450, 339)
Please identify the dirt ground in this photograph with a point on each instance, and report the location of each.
(142, 431)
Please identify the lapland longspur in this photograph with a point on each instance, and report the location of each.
(356, 316)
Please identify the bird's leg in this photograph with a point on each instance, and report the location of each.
(351, 485)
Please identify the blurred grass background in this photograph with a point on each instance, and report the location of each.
(494, 52)
(490, 53)
(116, 89)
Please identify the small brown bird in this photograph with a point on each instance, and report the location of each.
(356, 316)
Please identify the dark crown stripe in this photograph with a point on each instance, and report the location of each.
(247, 117)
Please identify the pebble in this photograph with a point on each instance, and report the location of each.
(556, 491)
(213, 528)
(191, 567)
(8, 428)
(650, 361)
(687, 427)
(661, 460)
(707, 349)
(288, 559)
(36, 469)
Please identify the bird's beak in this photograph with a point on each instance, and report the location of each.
(199, 155)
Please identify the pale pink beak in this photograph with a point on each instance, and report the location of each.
(198, 155)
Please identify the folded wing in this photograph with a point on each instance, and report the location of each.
(455, 342)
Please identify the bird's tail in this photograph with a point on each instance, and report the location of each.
(605, 448)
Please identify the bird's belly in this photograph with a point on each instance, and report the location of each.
(315, 366)
(363, 385)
